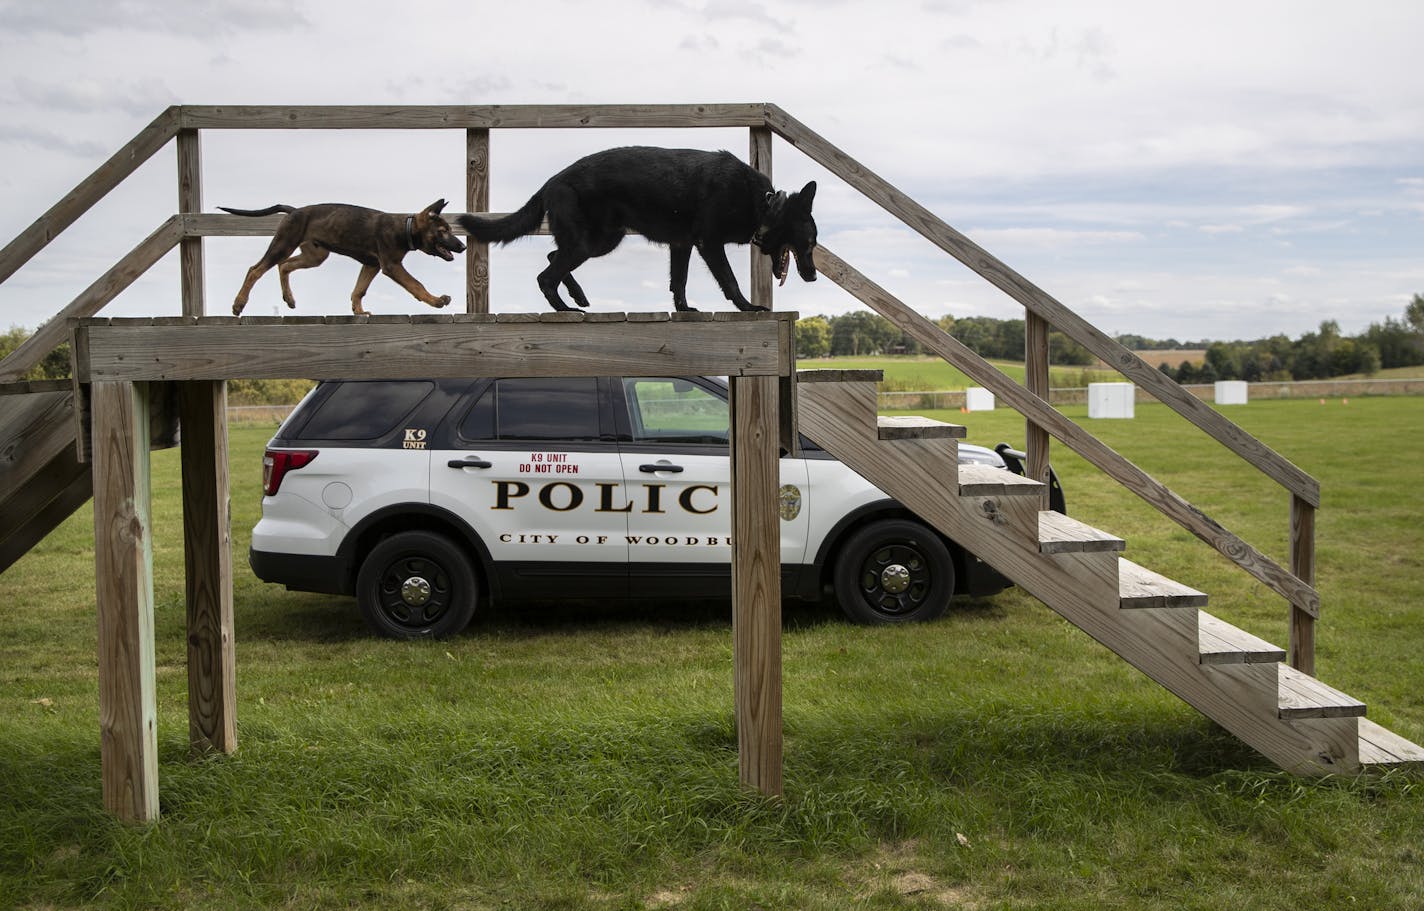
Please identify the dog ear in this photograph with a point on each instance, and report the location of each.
(435, 207)
(807, 194)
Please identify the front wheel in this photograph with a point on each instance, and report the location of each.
(893, 571)
(416, 585)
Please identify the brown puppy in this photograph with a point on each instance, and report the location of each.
(376, 240)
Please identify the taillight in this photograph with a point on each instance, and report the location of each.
(277, 462)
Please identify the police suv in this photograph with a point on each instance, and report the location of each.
(424, 497)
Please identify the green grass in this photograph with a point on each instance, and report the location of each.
(586, 758)
(905, 373)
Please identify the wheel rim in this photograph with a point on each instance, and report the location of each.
(414, 592)
(895, 579)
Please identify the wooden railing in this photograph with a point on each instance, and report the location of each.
(189, 226)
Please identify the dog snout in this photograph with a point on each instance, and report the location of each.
(805, 264)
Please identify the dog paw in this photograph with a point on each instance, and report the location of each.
(442, 301)
(237, 308)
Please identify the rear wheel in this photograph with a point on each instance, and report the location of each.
(893, 571)
(416, 585)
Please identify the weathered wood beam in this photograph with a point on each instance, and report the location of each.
(1302, 622)
(444, 117)
(190, 199)
(524, 344)
(123, 569)
(756, 583)
(477, 190)
(207, 552)
(1036, 381)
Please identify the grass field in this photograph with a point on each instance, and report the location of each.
(907, 373)
(572, 758)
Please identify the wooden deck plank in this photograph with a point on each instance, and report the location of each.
(1302, 696)
(1139, 587)
(1060, 534)
(911, 427)
(839, 376)
(467, 346)
(1222, 643)
(1381, 748)
(988, 481)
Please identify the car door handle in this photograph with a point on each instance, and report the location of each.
(470, 463)
(651, 469)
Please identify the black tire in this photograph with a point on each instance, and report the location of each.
(416, 585)
(893, 571)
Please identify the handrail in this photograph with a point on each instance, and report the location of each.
(761, 119)
(1116, 466)
(471, 117)
(89, 191)
(1038, 301)
(93, 299)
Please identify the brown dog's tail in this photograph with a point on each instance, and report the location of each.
(270, 210)
(508, 228)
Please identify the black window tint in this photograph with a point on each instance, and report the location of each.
(535, 409)
(365, 411)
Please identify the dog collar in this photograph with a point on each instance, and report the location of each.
(775, 203)
(409, 235)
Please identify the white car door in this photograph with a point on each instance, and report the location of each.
(531, 467)
(675, 460)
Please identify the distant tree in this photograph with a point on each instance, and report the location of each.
(1414, 313)
(53, 366)
(813, 337)
(1066, 352)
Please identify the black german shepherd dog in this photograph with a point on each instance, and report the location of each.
(684, 198)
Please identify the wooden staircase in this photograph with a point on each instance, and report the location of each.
(42, 480)
(1156, 624)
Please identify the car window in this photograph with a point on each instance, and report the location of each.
(669, 410)
(358, 410)
(562, 408)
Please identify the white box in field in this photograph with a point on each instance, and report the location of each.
(1110, 400)
(1231, 392)
(978, 399)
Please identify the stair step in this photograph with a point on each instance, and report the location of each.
(839, 376)
(910, 427)
(1139, 587)
(1382, 748)
(1060, 534)
(1222, 643)
(988, 481)
(1302, 696)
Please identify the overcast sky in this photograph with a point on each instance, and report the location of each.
(1193, 170)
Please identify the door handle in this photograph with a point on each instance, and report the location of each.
(652, 469)
(472, 462)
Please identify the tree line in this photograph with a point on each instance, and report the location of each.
(861, 333)
(1315, 355)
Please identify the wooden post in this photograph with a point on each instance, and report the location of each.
(123, 567)
(756, 582)
(477, 149)
(761, 279)
(207, 549)
(190, 200)
(1302, 624)
(1036, 380)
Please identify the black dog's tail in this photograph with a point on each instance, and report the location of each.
(510, 227)
(270, 210)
